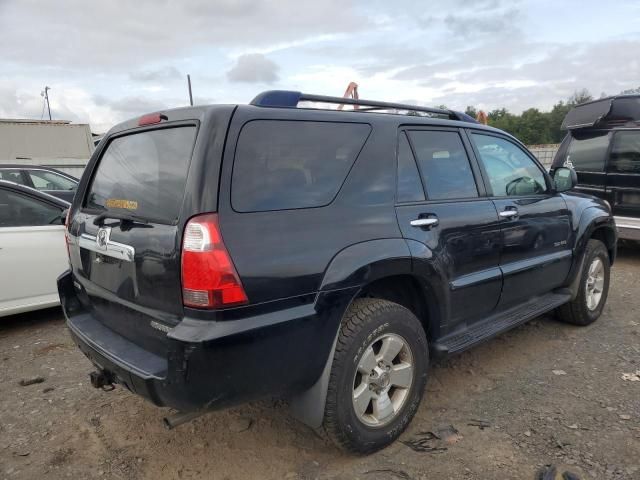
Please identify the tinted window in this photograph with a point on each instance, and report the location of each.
(18, 210)
(625, 153)
(409, 183)
(283, 164)
(444, 165)
(587, 152)
(43, 180)
(510, 170)
(144, 173)
(11, 176)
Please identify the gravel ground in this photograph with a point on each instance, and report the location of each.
(543, 394)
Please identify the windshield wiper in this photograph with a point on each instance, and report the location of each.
(124, 216)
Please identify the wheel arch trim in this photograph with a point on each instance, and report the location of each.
(355, 266)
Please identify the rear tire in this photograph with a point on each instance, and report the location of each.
(378, 375)
(587, 307)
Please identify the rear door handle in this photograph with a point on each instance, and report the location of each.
(511, 213)
(424, 222)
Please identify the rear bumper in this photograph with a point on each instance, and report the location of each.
(628, 228)
(214, 364)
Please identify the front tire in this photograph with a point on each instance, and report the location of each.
(587, 307)
(378, 375)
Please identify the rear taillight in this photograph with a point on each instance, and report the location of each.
(209, 279)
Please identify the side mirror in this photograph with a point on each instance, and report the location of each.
(565, 179)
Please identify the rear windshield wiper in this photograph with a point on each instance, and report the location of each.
(124, 216)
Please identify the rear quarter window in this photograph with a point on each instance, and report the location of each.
(625, 153)
(287, 164)
(144, 173)
(588, 151)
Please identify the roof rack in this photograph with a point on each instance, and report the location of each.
(290, 99)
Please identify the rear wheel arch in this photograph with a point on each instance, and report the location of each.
(410, 292)
(404, 289)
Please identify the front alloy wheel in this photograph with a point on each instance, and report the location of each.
(591, 296)
(595, 283)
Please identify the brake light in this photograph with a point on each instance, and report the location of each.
(209, 279)
(151, 119)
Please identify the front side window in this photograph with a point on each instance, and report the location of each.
(43, 180)
(444, 165)
(510, 170)
(283, 165)
(625, 153)
(587, 151)
(19, 210)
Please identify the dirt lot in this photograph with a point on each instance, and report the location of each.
(545, 393)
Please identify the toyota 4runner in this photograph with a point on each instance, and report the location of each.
(224, 253)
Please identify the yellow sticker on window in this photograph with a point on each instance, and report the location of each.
(118, 203)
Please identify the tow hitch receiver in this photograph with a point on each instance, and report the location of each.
(102, 380)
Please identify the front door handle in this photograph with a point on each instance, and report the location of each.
(424, 222)
(511, 213)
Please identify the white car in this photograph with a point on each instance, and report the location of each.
(32, 248)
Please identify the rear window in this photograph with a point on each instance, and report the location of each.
(284, 164)
(588, 151)
(144, 173)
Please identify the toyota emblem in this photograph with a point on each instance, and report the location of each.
(102, 238)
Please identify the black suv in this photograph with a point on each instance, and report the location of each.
(603, 146)
(225, 253)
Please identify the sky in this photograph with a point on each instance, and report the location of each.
(107, 61)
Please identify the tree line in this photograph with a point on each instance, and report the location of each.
(533, 127)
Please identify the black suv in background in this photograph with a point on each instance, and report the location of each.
(224, 253)
(603, 146)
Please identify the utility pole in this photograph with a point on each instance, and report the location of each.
(45, 94)
(190, 94)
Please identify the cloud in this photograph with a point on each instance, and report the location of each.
(253, 68)
(119, 59)
(120, 33)
(130, 106)
(157, 75)
(492, 23)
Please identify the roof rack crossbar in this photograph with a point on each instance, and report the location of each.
(285, 98)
